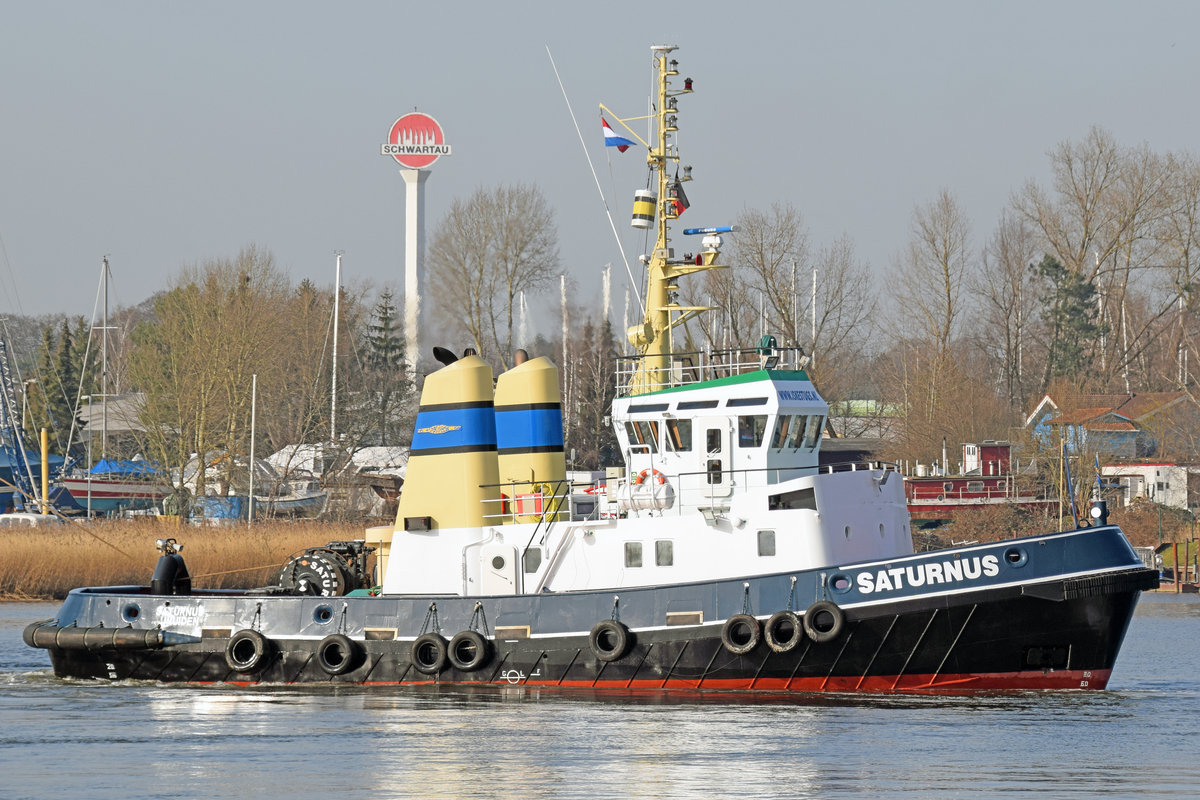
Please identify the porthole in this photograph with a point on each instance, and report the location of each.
(322, 614)
(840, 583)
(1016, 556)
(498, 562)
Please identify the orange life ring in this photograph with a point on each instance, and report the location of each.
(646, 473)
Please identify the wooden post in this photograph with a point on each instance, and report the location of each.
(1175, 554)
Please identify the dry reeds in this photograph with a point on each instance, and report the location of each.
(40, 563)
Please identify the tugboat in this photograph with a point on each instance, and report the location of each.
(726, 557)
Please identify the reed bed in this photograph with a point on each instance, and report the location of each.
(46, 563)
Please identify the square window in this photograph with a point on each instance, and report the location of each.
(633, 554)
(532, 559)
(766, 543)
(664, 553)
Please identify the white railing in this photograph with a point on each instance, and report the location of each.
(682, 369)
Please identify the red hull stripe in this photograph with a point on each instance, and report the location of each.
(875, 684)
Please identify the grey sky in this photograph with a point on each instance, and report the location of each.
(164, 134)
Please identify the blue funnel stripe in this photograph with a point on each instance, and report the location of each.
(454, 428)
(529, 428)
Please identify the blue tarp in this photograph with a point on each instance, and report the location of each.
(219, 507)
(109, 466)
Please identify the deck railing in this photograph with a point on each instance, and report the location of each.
(705, 365)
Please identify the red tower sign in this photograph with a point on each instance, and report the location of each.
(416, 141)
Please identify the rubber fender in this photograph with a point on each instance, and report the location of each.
(610, 640)
(337, 654)
(248, 651)
(428, 653)
(824, 621)
(741, 633)
(783, 631)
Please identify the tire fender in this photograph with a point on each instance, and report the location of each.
(428, 654)
(610, 640)
(824, 621)
(248, 651)
(741, 633)
(337, 654)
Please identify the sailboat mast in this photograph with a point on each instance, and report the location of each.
(104, 365)
(337, 297)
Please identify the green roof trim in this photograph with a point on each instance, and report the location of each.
(734, 380)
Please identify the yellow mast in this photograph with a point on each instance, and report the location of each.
(652, 338)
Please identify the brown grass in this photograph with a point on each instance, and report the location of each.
(48, 562)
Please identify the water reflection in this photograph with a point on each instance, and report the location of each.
(139, 740)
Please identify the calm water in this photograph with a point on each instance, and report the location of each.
(61, 739)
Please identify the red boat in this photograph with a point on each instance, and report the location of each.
(986, 479)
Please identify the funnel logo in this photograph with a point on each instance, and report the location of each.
(416, 141)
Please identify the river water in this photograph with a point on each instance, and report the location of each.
(71, 739)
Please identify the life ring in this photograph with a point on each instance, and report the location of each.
(468, 651)
(609, 640)
(428, 654)
(824, 621)
(659, 478)
(247, 651)
(741, 633)
(783, 631)
(337, 654)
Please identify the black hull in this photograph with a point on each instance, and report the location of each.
(1058, 634)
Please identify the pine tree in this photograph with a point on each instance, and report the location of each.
(590, 436)
(1070, 311)
(52, 400)
(386, 371)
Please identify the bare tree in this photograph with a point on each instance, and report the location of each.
(489, 249)
(933, 270)
(212, 331)
(1006, 292)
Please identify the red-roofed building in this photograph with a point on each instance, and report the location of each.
(1117, 425)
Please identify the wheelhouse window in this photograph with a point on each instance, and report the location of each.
(679, 435)
(813, 434)
(751, 430)
(796, 437)
(783, 427)
(643, 432)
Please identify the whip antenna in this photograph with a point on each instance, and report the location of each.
(595, 177)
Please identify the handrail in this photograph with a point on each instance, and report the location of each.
(705, 365)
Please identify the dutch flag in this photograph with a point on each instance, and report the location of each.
(612, 140)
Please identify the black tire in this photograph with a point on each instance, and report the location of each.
(741, 633)
(468, 651)
(824, 621)
(783, 631)
(429, 654)
(247, 651)
(609, 640)
(337, 654)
